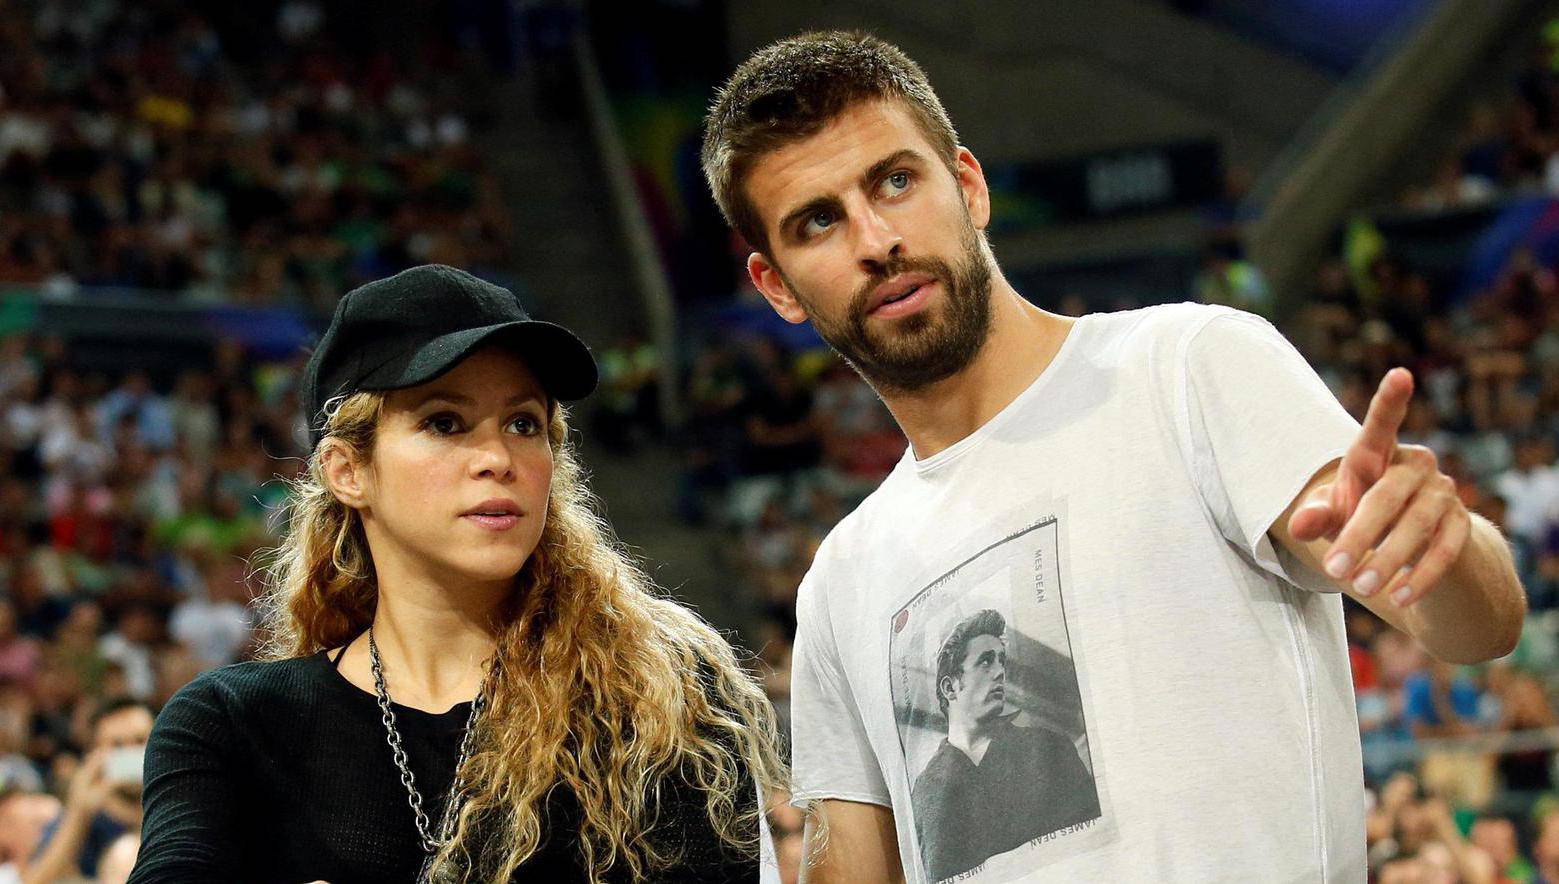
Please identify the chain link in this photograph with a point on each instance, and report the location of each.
(430, 844)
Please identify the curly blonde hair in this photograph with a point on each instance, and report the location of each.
(603, 686)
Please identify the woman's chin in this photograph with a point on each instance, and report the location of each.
(489, 569)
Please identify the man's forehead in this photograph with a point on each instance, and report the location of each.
(829, 160)
(983, 643)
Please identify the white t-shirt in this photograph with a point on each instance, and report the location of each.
(1160, 694)
(1533, 498)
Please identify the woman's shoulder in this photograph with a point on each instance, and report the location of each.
(253, 685)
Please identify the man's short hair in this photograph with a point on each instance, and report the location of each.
(950, 659)
(115, 705)
(792, 89)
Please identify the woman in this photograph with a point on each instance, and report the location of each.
(469, 679)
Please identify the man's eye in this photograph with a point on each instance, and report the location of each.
(897, 183)
(817, 223)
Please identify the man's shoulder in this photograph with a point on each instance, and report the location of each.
(853, 533)
(1173, 322)
(939, 771)
(1031, 734)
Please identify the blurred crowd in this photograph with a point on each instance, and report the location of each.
(254, 153)
(1507, 145)
(128, 515)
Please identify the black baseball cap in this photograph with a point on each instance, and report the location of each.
(409, 328)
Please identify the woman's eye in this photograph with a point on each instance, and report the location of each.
(526, 425)
(442, 424)
(897, 183)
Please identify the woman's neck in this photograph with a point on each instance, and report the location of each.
(434, 646)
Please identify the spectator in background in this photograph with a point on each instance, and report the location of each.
(781, 435)
(118, 860)
(1545, 849)
(131, 645)
(1442, 702)
(1227, 278)
(628, 410)
(215, 624)
(785, 825)
(20, 655)
(1530, 489)
(23, 816)
(104, 799)
(1496, 837)
(1523, 706)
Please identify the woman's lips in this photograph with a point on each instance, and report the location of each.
(493, 522)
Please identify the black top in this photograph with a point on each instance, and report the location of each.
(280, 771)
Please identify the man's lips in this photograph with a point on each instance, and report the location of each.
(900, 289)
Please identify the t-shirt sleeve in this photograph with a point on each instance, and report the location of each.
(1261, 425)
(188, 832)
(831, 754)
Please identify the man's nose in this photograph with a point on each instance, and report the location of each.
(878, 241)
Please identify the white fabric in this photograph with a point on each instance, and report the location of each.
(214, 631)
(1116, 515)
(1533, 500)
(768, 861)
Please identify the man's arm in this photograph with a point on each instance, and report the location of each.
(88, 791)
(845, 842)
(1388, 528)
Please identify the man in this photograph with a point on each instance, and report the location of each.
(104, 798)
(1545, 849)
(992, 783)
(23, 815)
(1192, 471)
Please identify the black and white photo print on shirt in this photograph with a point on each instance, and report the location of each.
(989, 713)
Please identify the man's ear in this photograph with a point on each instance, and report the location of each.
(977, 194)
(346, 478)
(766, 277)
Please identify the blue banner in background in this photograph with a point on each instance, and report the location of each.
(1334, 34)
(1527, 223)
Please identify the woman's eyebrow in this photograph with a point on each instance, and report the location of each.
(461, 399)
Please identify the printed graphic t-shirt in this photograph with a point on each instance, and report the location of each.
(1064, 648)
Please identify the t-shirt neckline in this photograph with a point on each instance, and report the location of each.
(982, 432)
(337, 677)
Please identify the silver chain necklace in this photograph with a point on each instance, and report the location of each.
(430, 843)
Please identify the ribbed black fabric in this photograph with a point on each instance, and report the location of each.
(280, 772)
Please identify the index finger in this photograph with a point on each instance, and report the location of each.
(1378, 439)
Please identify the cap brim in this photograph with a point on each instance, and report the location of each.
(559, 360)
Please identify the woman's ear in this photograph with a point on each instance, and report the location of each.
(346, 477)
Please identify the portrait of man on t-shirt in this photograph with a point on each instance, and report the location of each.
(978, 796)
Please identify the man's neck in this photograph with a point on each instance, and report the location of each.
(969, 740)
(1023, 341)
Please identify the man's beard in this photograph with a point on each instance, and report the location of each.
(912, 352)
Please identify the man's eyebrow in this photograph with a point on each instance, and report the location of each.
(886, 164)
(810, 207)
(868, 178)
